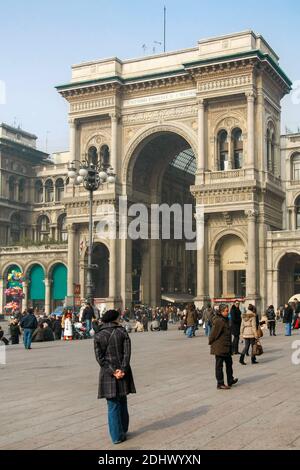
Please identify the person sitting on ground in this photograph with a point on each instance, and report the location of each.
(2, 337)
(139, 328)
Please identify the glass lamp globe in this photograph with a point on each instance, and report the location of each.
(71, 173)
(83, 172)
(103, 176)
(72, 180)
(111, 179)
(79, 179)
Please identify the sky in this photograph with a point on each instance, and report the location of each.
(40, 40)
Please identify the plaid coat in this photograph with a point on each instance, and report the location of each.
(113, 349)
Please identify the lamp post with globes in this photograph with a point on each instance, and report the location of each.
(91, 176)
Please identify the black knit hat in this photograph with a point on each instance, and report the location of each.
(110, 315)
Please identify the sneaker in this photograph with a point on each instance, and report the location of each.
(234, 381)
(223, 387)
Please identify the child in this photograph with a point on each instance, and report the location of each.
(68, 328)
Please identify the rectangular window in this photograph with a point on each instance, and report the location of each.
(297, 171)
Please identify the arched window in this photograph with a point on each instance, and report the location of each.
(49, 191)
(38, 192)
(43, 227)
(62, 228)
(223, 150)
(22, 190)
(297, 209)
(93, 156)
(271, 144)
(296, 166)
(59, 189)
(15, 228)
(105, 156)
(11, 188)
(237, 138)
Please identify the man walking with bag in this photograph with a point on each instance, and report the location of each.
(113, 349)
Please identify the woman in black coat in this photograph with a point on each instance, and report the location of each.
(113, 350)
(15, 331)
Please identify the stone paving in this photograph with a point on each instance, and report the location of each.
(49, 397)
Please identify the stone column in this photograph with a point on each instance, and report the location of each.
(212, 276)
(201, 222)
(251, 131)
(82, 279)
(201, 137)
(252, 264)
(71, 248)
(155, 271)
(112, 270)
(275, 288)
(72, 137)
(114, 141)
(1, 294)
(145, 277)
(25, 292)
(47, 296)
(230, 152)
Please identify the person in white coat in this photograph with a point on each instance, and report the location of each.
(68, 328)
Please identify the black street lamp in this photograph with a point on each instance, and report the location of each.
(91, 176)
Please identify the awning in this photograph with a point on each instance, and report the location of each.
(178, 298)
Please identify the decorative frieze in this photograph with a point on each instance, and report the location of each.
(89, 105)
(223, 83)
(161, 115)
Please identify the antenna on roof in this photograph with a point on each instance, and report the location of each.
(47, 132)
(144, 47)
(165, 24)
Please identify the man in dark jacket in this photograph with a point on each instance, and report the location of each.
(29, 324)
(220, 342)
(113, 349)
(288, 319)
(87, 316)
(235, 322)
(271, 316)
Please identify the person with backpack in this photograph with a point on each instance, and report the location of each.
(271, 315)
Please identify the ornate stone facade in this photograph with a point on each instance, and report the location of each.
(217, 104)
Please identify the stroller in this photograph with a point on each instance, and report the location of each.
(79, 331)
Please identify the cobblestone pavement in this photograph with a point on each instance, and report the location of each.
(48, 397)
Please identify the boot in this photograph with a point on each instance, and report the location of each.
(242, 357)
(253, 360)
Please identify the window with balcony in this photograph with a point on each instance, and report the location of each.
(223, 150)
(59, 189)
(105, 156)
(12, 188)
(49, 191)
(15, 228)
(43, 227)
(92, 156)
(296, 167)
(38, 192)
(62, 228)
(238, 148)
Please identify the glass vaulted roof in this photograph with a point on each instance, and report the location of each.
(185, 161)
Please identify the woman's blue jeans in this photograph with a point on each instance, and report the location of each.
(118, 418)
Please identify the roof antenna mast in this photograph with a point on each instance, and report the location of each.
(165, 22)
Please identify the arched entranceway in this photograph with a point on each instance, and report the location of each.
(100, 260)
(58, 285)
(288, 277)
(36, 277)
(230, 267)
(162, 171)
